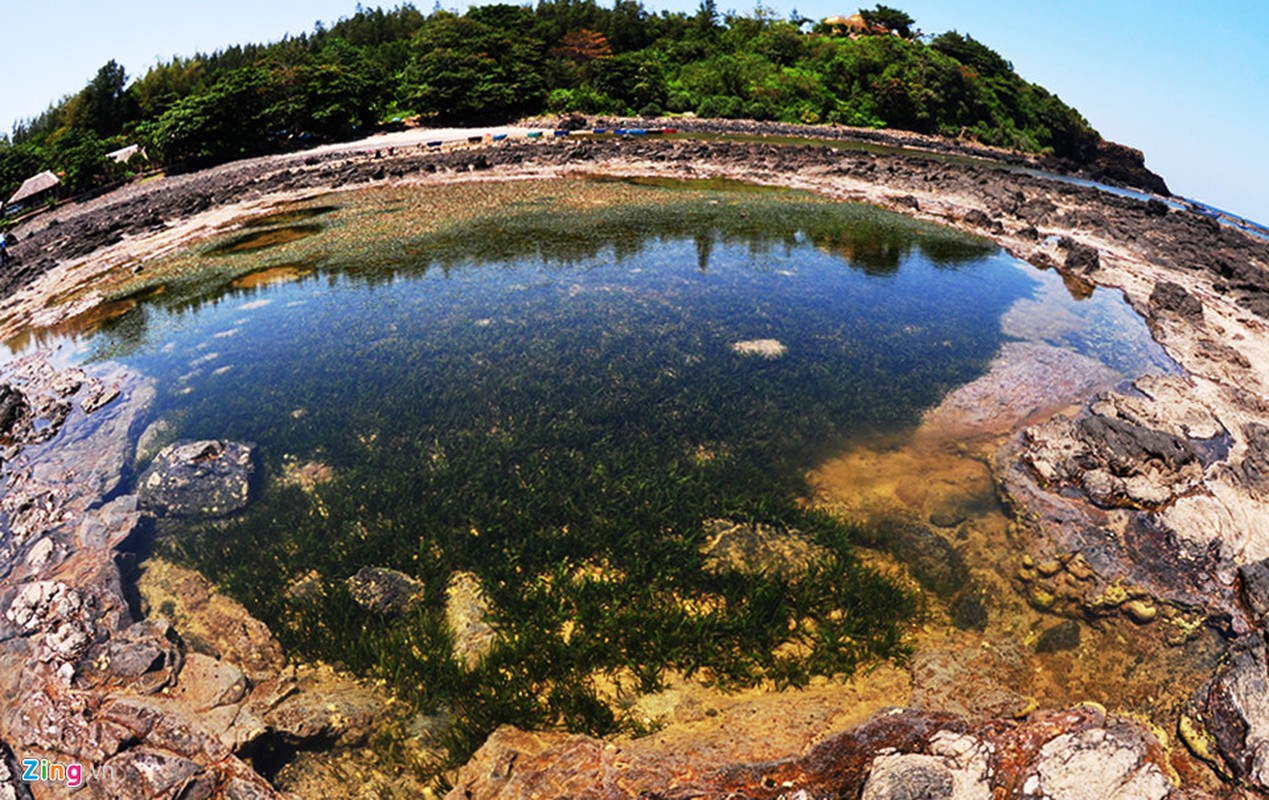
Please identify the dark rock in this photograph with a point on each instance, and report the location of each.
(1255, 578)
(1080, 258)
(13, 409)
(385, 591)
(1169, 297)
(978, 219)
(1126, 446)
(1254, 468)
(205, 478)
(1118, 164)
(1156, 208)
(969, 612)
(931, 559)
(1062, 636)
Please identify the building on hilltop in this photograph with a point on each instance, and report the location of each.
(853, 26)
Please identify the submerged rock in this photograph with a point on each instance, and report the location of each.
(208, 621)
(206, 478)
(931, 559)
(1062, 636)
(756, 548)
(973, 682)
(765, 348)
(467, 615)
(384, 591)
(154, 438)
(897, 754)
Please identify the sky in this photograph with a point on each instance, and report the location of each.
(1184, 81)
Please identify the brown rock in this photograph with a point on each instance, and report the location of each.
(209, 622)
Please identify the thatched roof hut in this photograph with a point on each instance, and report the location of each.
(35, 186)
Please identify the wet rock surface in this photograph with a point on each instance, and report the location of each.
(896, 754)
(163, 693)
(198, 479)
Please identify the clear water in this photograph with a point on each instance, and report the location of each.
(532, 393)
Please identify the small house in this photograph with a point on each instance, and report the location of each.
(35, 188)
(124, 154)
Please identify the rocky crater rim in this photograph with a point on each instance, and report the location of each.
(1157, 492)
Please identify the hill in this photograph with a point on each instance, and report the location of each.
(499, 62)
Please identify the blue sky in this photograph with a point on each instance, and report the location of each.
(1186, 82)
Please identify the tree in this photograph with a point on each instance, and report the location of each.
(892, 19)
(104, 104)
(464, 70)
(972, 53)
(80, 158)
(224, 122)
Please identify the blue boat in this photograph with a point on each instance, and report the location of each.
(600, 130)
(498, 137)
(561, 133)
(619, 131)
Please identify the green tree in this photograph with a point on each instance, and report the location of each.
(79, 158)
(892, 19)
(224, 122)
(105, 104)
(464, 70)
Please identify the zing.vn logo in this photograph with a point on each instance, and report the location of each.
(38, 770)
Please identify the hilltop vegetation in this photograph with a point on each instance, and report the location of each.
(496, 63)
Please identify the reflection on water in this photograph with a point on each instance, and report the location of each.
(558, 403)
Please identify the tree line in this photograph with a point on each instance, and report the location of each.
(499, 62)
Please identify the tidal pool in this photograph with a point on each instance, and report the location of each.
(562, 395)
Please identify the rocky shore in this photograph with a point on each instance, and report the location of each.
(1146, 501)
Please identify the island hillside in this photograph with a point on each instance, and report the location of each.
(500, 62)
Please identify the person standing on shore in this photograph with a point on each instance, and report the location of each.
(4, 248)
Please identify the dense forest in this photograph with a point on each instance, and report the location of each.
(500, 62)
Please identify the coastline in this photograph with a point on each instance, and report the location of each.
(1212, 319)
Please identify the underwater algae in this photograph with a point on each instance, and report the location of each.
(546, 385)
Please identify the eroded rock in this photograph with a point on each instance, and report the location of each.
(1232, 711)
(1108, 763)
